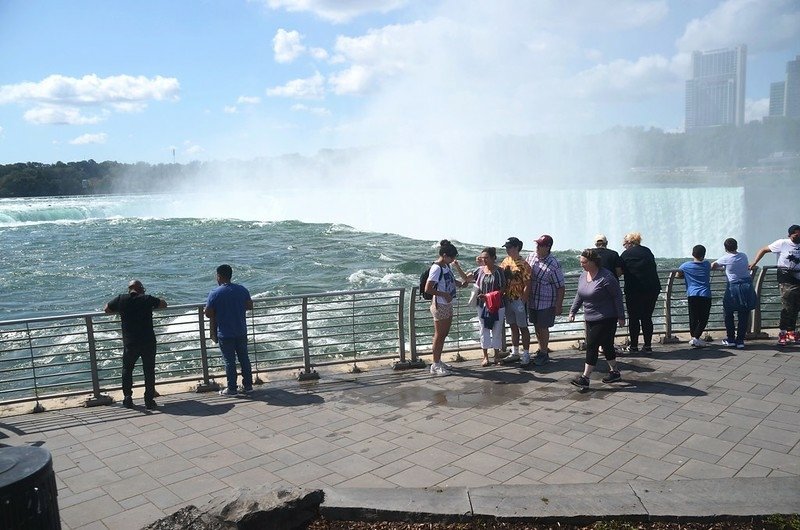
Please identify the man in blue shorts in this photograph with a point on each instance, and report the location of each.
(226, 307)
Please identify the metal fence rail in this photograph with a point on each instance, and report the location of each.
(81, 354)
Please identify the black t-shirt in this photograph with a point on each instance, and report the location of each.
(136, 311)
(609, 259)
(639, 267)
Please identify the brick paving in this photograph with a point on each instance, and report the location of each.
(678, 414)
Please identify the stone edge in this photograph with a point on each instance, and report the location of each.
(676, 499)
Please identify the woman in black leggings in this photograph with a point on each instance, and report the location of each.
(641, 289)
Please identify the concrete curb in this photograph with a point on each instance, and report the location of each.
(676, 499)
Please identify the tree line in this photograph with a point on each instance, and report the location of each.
(718, 149)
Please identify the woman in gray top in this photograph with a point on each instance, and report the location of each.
(601, 298)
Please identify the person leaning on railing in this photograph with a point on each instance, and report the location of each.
(788, 251)
(138, 339)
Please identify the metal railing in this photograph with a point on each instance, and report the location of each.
(76, 355)
(62, 356)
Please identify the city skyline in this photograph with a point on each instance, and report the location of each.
(716, 91)
(218, 80)
(784, 96)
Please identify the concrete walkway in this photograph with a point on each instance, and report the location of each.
(680, 414)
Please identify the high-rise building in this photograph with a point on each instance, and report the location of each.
(784, 96)
(715, 93)
(791, 103)
(776, 96)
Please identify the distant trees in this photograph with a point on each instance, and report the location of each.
(512, 157)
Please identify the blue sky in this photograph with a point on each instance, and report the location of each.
(235, 79)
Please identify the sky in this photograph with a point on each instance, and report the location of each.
(185, 80)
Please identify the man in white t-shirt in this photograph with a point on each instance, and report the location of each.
(788, 251)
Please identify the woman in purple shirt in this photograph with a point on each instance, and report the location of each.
(601, 298)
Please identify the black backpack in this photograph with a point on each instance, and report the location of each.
(423, 280)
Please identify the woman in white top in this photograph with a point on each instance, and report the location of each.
(442, 286)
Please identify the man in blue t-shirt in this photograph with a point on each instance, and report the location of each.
(226, 308)
(697, 274)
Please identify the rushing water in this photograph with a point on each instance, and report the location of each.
(72, 254)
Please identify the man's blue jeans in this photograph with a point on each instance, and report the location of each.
(233, 348)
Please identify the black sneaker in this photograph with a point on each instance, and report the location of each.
(580, 381)
(633, 349)
(127, 402)
(647, 349)
(612, 377)
(151, 404)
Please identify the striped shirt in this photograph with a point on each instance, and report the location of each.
(546, 279)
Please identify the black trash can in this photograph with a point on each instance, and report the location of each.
(28, 495)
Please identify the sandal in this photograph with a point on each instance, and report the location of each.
(486, 363)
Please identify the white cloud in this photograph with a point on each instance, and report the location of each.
(59, 99)
(287, 46)
(248, 100)
(319, 54)
(60, 115)
(230, 109)
(309, 88)
(337, 10)
(762, 25)
(92, 90)
(630, 79)
(84, 139)
(755, 110)
(129, 107)
(357, 79)
(191, 148)
(317, 111)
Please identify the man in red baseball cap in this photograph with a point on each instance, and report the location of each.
(546, 298)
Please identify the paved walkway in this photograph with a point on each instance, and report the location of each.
(678, 414)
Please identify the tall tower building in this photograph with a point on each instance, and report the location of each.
(784, 96)
(777, 93)
(791, 104)
(715, 93)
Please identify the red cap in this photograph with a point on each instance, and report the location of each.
(545, 241)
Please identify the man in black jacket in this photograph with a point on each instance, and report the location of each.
(138, 339)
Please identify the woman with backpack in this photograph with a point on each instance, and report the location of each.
(441, 286)
(490, 281)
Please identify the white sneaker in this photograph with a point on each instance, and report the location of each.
(693, 342)
(700, 343)
(447, 366)
(433, 368)
(525, 359)
(439, 370)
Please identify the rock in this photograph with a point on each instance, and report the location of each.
(248, 509)
(188, 517)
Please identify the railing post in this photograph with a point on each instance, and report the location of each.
(206, 385)
(307, 373)
(755, 318)
(669, 338)
(97, 398)
(38, 407)
(414, 362)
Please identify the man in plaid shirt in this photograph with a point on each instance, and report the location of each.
(546, 294)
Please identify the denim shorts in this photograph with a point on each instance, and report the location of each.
(516, 314)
